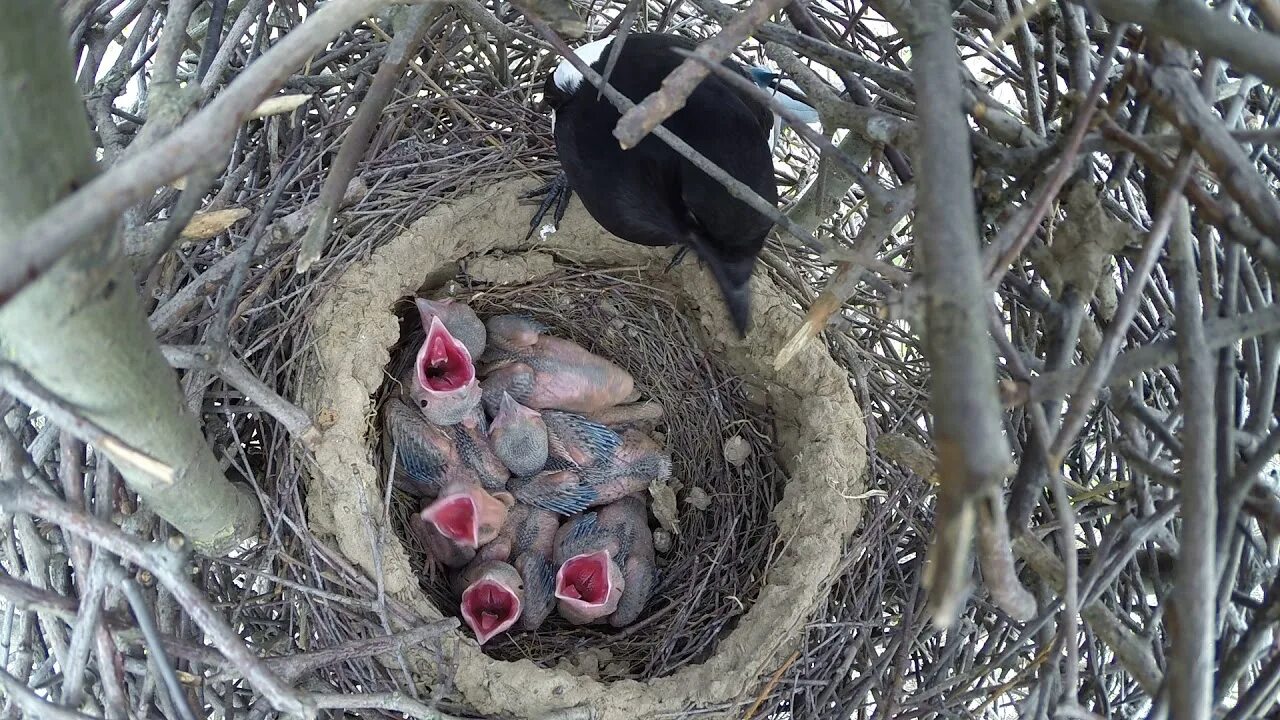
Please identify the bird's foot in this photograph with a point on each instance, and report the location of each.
(556, 192)
(676, 258)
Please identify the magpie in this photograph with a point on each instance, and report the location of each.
(785, 92)
(650, 195)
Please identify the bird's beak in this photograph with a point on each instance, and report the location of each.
(734, 280)
(455, 517)
(443, 364)
(490, 607)
(590, 584)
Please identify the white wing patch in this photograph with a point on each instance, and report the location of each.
(567, 77)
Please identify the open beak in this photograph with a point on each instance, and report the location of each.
(455, 517)
(588, 585)
(443, 364)
(489, 608)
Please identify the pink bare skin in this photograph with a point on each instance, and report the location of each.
(606, 567)
(458, 317)
(467, 514)
(492, 599)
(443, 386)
(544, 372)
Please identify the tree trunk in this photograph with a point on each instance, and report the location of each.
(79, 329)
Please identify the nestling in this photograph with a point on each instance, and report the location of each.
(540, 371)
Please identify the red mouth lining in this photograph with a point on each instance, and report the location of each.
(455, 518)
(487, 605)
(585, 579)
(443, 362)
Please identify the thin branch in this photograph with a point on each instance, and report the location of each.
(202, 140)
(639, 121)
(32, 704)
(159, 561)
(734, 186)
(1219, 333)
(1191, 661)
(294, 418)
(1194, 25)
(155, 648)
(408, 37)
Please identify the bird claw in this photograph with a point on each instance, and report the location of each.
(556, 192)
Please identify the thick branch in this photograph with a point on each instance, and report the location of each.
(972, 451)
(79, 329)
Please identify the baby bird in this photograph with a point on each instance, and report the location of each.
(590, 465)
(427, 456)
(527, 543)
(519, 437)
(458, 318)
(475, 451)
(442, 381)
(492, 598)
(466, 514)
(540, 371)
(440, 548)
(606, 564)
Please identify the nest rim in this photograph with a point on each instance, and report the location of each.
(824, 474)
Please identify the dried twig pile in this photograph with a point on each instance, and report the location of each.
(1121, 211)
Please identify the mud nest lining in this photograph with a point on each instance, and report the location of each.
(715, 566)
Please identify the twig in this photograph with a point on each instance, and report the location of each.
(390, 702)
(202, 140)
(769, 686)
(995, 556)
(212, 37)
(734, 186)
(1066, 163)
(158, 560)
(1085, 393)
(1219, 333)
(159, 659)
(294, 418)
(32, 704)
(972, 451)
(639, 121)
(24, 387)
(407, 39)
(1131, 650)
(1194, 25)
(886, 201)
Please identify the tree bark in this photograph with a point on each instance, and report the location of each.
(973, 454)
(79, 329)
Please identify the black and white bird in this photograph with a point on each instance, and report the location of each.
(650, 194)
(784, 91)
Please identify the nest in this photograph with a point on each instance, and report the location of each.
(744, 573)
(462, 119)
(725, 540)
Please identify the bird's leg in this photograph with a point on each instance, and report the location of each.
(556, 192)
(676, 258)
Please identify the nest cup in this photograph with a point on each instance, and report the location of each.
(783, 558)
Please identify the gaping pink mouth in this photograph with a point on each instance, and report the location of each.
(443, 364)
(583, 580)
(456, 517)
(489, 607)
